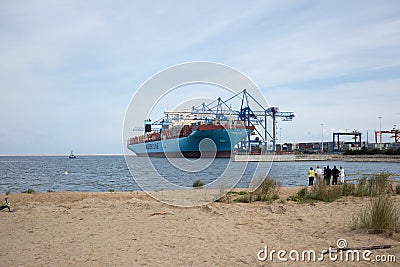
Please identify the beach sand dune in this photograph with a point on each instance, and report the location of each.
(132, 229)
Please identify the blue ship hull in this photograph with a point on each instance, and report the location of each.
(205, 143)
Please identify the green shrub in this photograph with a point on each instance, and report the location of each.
(326, 193)
(380, 215)
(29, 191)
(224, 196)
(348, 189)
(197, 184)
(275, 197)
(361, 188)
(8, 192)
(398, 189)
(111, 190)
(267, 190)
(380, 183)
(312, 195)
(376, 185)
(248, 198)
(322, 193)
(302, 196)
(299, 196)
(302, 193)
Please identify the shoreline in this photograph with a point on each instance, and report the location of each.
(133, 229)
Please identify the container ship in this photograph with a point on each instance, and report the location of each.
(190, 135)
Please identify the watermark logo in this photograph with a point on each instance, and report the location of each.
(341, 243)
(179, 87)
(340, 253)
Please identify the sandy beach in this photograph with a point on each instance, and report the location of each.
(132, 229)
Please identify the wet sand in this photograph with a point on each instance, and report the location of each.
(132, 229)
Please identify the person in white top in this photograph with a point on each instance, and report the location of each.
(318, 174)
(342, 175)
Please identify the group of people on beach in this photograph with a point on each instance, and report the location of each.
(327, 173)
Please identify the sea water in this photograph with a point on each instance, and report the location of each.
(105, 173)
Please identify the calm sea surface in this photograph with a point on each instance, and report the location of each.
(102, 173)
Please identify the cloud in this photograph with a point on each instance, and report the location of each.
(318, 42)
(75, 65)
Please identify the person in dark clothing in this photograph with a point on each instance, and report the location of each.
(335, 175)
(327, 175)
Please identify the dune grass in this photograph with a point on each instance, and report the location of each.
(376, 185)
(267, 191)
(380, 215)
(317, 193)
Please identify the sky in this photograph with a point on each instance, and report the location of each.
(70, 68)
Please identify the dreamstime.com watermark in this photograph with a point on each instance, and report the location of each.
(341, 253)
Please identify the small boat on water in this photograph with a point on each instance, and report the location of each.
(72, 156)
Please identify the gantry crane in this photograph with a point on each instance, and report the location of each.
(395, 135)
(336, 136)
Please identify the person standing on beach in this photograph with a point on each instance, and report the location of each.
(335, 175)
(318, 175)
(311, 175)
(342, 175)
(327, 174)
